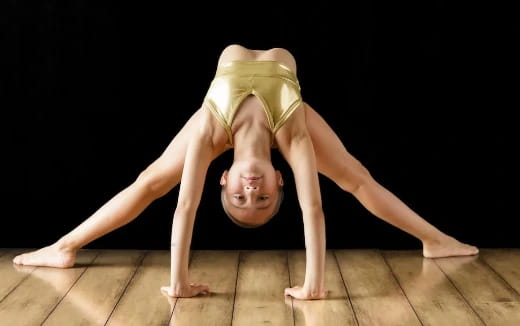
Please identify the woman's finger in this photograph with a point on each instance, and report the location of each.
(166, 290)
(294, 292)
(203, 289)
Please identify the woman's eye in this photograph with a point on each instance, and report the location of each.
(264, 197)
(239, 197)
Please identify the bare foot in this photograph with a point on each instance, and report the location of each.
(448, 247)
(50, 256)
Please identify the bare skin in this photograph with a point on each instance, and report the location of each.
(351, 176)
(166, 172)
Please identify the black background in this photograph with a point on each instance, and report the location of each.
(423, 93)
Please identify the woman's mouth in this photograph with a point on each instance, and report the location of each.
(252, 178)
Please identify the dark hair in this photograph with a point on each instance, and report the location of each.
(250, 225)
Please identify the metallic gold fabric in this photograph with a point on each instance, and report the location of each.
(274, 84)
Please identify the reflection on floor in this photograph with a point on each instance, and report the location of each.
(366, 287)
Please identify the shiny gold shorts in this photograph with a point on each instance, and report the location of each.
(274, 84)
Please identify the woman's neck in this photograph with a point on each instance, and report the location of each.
(252, 142)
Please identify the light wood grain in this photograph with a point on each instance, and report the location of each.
(12, 275)
(41, 292)
(434, 298)
(335, 310)
(94, 296)
(142, 302)
(376, 296)
(262, 279)
(384, 288)
(218, 270)
(494, 300)
(505, 262)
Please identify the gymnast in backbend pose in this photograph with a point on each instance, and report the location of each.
(253, 105)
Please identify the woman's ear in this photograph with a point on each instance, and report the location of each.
(279, 178)
(223, 178)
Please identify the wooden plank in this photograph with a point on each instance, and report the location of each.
(489, 295)
(336, 309)
(218, 270)
(505, 262)
(12, 275)
(375, 294)
(262, 279)
(434, 298)
(94, 296)
(143, 303)
(42, 291)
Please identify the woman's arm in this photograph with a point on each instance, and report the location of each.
(299, 153)
(198, 158)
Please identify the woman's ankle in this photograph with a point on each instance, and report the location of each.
(65, 245)
(435, 240)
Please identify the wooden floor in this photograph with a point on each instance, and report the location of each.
(367, 287)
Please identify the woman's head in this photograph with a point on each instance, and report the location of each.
(252, 192)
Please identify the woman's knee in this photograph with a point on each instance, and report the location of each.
(355, 177)
(155, 183)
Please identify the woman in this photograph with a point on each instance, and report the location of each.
(253, 104)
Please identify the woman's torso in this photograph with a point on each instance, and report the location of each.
(251, 108)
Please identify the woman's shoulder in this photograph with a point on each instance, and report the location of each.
(208, 127)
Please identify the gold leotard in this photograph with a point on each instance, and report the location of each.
(274, 84)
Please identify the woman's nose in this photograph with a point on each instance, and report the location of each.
(251, 188)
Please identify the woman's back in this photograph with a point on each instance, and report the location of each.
(236, 52)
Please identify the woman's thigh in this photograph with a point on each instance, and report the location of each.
(166, 171)
(332, 158)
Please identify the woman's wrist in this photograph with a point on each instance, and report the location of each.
(178, 282)
(177, 288)
(178, 276)
(314, 285)
(314, 290)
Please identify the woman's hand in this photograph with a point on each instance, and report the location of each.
(185, 291)
(303, 293)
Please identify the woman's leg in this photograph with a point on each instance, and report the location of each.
(350, 175)
(155, 181)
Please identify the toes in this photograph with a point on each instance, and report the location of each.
(17, 260)
(204, 289)
(165, 289)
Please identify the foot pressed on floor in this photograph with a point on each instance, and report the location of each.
(50, 256)
(447, 247)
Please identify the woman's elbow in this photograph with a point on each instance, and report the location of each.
(185, 208)
(314, 210)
